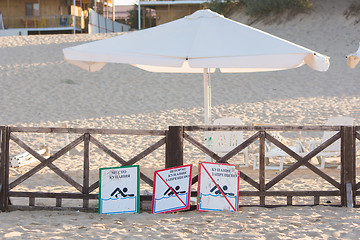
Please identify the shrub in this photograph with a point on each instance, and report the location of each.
(222, 7)
(353, 11)
(258, 8)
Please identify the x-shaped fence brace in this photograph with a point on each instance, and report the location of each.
(300, 160)
(83, 138)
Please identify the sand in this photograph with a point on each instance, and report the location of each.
(38, 88)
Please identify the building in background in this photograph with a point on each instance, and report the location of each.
(167, 11)
(121, 13)
(26, 17)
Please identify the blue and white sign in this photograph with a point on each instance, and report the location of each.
(119, 190)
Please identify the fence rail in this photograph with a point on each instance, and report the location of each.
(174, 140)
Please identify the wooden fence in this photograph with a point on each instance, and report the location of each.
(173, 139)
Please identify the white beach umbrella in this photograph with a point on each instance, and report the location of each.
(353, 58)
(198, 43)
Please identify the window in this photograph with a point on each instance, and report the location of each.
(32, 9)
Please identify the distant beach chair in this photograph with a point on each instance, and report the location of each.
(334, 149)
(26, 158)
(223, 142)
(272, 151)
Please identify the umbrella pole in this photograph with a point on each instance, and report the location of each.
(207, 96)
(207, 108)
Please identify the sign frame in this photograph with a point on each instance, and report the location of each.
(157, 176)
(137, 201)
(218, 188)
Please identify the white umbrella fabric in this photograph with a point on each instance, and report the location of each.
(353, 58)
(198, 43)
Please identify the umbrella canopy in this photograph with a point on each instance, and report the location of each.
(353, 58)
(198, 43)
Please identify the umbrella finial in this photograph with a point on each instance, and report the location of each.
(206, 13)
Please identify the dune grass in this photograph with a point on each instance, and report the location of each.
(353, 11)
(267, 10)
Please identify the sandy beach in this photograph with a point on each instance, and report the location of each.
(38, 88)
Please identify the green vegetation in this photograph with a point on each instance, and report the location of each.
(262, 8)
(353, 11)
(222, 7)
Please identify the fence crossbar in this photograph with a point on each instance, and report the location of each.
(303, 161)
(147, 151)
(89, 130)
(239, 148)
(43, 164)
(200, 146)
(51, 166)
(107, 150)
(249, 180)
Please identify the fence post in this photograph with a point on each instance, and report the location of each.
(174, 155)
(4, 168)
(262, 167)
(348, 166)
(86, 176)
(1, 167)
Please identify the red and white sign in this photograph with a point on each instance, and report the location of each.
(218, 187)
(171, 190)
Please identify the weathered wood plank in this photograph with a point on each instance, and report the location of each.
(261, 128)
(31, 201)
(146, 179)
(262, 186)
(2, 168)
(88, 130)
(289, 193)
(249, 180)
(86, 170)
(316, 200)
(93, 186)
(4, 174)
(289, 200)
(174, 152)
(195, 179)
(357, 135)
(52, 195)
(357, 186)
(348, 164)
(58, 202)
(50, 208)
